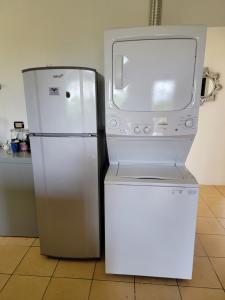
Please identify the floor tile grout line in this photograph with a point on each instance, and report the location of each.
(186, 286)
(211, 263)
(32, 245)
(135, 287)
(29, 275)
(197, 217)
(179, 291)
(97, 279)
(151, 283)
(17, 266)
(1, 290)
(216, 272)
(78, 278)
(50, 279)
(200, 198)
(210, 256)
(58, 261)
(212, 267)
(216, 219)
(209, 207)
(200, 287)
(203, 196)
(207, 200)
(56, 265)
(212, 211)
(218, 190)
(89, 294)
(67, 277)
(15, 244)
(220, 234)
(217, 222)
(206, 254)
(208, 217)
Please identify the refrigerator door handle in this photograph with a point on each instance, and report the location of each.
(63, 134)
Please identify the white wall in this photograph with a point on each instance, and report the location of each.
(54, 32)
(70, 32)
(207, 157)
(209, 12)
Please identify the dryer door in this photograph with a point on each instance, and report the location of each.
(153, 75)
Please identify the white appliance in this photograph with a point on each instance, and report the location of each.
(152, 91)
(67, 148)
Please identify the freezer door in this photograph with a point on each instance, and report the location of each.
(61, 100)
(66, 188)
(153, 75)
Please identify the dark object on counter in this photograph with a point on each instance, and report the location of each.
(23, 146)
(15, 147)
(18, 124)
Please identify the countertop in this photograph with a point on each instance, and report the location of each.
(19, 157)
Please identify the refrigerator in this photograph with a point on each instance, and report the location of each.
(66, 125)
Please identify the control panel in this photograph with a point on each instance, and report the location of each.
(158, 126)
(189, 123)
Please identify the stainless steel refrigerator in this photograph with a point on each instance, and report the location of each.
(67, 145)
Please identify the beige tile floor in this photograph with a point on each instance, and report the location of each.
(25, 274)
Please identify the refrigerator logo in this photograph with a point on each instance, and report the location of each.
(58, 75)
(53, 91)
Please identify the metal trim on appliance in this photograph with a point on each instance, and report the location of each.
(58, 67)
(63, 134)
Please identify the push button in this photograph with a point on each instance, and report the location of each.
(147, 129)
(189, 123)
(113, 123)
(137, 130)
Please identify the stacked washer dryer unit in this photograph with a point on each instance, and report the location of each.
(152, 91)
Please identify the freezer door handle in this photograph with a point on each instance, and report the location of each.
(63, 134)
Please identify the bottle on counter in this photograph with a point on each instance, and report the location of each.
(20, 140)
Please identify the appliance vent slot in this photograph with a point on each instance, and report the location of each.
(149, 177)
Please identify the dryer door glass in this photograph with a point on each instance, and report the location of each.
(153, 75)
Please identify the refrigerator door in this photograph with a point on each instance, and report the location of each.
(154, 74)
(66, 187)
(61, 100)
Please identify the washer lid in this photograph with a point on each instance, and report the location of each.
(149, 171)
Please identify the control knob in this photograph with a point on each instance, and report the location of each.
(113, 123)
(147, 129)
(189, 123)
(137, 129)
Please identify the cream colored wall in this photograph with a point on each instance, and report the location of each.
(210, 12)
(70, 32)
(54, 32)
(207, 157)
